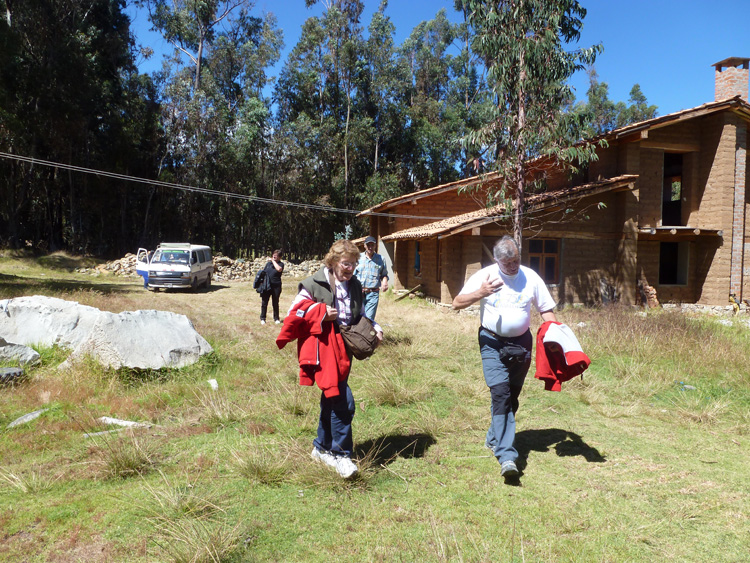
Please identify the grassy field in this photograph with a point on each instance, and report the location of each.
(645, 459)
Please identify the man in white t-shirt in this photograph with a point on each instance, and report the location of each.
(505, 291)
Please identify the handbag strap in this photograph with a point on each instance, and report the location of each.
(332, 283)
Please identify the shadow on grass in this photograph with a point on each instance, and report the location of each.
(20, 285)
(63, 262)
(564, 443)
(386, 449)
(214, 287)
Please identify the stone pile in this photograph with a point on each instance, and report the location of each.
(225, 268)
(241, 269)
(124, 266)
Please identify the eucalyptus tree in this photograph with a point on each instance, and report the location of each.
(384, 116)
(439, 98)
(214, 113)
(601, 114)
(70, 93)
(523, 46)
(319, 111)
(190, 26)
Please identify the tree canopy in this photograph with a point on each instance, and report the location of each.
(246, 162)
(523, 45)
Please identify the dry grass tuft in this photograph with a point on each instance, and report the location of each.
(217, 410)
(696, 408)
(126, 456)
(289, 398)
(184, 500)
(428, 421)
(263, 463)
(385, 386)
(190, 521)
(30, 482)
(195, 540)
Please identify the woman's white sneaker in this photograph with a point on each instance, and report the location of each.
(325, 457)
(346, 467)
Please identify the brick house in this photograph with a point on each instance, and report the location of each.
(665, 205)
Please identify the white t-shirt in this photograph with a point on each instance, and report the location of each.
(507, 312)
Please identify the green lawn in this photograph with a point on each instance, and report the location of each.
(626, 465)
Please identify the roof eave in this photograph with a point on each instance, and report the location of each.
(496, 213)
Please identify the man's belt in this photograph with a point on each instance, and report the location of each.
(503, 338)
(370, 289)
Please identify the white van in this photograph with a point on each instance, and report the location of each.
(176, 265)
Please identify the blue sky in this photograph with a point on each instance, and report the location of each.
(666, 46)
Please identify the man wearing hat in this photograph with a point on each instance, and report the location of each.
(373, 276)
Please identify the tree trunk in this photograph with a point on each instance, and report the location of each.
(520, 179)
(377, 150)
(346, 149)
(198, 61)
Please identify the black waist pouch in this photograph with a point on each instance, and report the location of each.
(514, 354)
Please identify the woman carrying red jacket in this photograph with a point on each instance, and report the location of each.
(334, 443)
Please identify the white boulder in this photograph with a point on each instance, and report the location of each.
(17, 353)
(137, 339)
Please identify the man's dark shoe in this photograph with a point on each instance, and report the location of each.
(508, 469)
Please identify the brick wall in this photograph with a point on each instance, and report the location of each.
(650, 182)
(446, 204)
(716, 210)
(605, 166)
(454, 269)
(738, 214)
(400, 265)
(584, 269)
(730, 82)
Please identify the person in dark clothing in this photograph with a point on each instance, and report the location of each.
(273, 270)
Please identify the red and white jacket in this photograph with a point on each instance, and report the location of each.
(559, 356)
(320, 347)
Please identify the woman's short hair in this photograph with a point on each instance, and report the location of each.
(341, 249)
(277, 251)
(506, 248)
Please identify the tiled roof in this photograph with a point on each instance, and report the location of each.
(488, 179)
(458, 223)
(736, 104)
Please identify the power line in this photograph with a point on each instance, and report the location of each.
(206, 191)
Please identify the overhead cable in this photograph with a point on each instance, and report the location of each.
(207, 191)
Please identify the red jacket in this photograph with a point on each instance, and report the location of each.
(559, 356)
(320, 347)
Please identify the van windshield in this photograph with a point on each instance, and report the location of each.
(171, 256)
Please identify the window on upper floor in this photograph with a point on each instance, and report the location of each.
(544, 259)
(671, 199)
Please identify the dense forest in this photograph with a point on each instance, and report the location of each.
(351, 120)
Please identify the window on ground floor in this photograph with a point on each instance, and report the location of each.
(439, 265)
(673, 263)
(417, 260)
(544, 258)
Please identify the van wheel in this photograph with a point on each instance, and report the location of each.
(208, 281)
(194, 284)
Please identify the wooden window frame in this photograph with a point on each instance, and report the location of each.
(543, 256)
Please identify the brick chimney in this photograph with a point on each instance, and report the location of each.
(731, 78)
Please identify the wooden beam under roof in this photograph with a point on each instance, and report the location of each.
(671, 147)
(667, 234)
